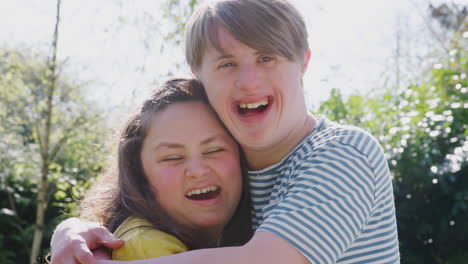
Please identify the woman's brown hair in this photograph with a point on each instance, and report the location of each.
(125, 191)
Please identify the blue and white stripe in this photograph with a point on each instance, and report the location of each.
(331, 198)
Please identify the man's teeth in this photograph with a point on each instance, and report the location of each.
(200, 191)
(254, 105)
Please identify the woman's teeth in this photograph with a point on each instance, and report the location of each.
(203, 190)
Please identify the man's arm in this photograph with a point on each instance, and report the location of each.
(74, 240)
(264, 247)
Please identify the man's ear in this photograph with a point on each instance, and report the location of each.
(306, 60)
(194, 72)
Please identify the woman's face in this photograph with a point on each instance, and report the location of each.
(193, 166)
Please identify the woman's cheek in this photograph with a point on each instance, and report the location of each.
(166, 176)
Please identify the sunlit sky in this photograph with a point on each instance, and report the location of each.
(352, 43)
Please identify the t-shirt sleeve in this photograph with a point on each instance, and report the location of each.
(148, 244)
(329, 199)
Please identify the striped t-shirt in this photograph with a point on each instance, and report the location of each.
(331, 198)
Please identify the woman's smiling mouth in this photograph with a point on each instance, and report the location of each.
(207, 193)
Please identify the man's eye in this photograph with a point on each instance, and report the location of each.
(228, 64)
(266, 58)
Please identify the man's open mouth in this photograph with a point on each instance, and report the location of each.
(249, 109)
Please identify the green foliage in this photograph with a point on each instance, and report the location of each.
(423, 130)
(178, 12)
(77, 142)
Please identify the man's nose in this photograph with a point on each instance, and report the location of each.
(248, 78)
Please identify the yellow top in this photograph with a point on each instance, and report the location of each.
(142, 241)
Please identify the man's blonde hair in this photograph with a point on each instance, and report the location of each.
(270, 26)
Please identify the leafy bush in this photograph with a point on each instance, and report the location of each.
(424, 132)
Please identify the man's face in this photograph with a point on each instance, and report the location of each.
(257, 95)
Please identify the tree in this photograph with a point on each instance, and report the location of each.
(47, 150)
(418, 46)
(76, 151)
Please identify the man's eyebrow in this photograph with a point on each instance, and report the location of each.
(223, 56)
(229, 56)
(167, 145)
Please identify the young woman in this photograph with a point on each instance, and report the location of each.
(178, 181)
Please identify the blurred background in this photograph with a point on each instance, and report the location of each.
(72, 71)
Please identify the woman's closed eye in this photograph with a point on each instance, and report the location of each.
(214, 150)
(171, 158)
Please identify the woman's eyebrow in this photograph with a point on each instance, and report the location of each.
(167, 145)
(211, 139)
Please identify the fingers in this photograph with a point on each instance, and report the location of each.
(104, 237)
(75, 252)
(68, 261)
(83, 255)
(63, 260)
(102, 254)
(74, 239)
(107, 262)
(119, 262)
(69, 243)
(114, 244)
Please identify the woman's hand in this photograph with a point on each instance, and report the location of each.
(74, 240)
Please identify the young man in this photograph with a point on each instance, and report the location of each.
(321, 192)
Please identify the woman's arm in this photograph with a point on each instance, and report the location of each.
(264, 247)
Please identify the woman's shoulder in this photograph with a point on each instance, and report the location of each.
(143, 241)
(133, 226)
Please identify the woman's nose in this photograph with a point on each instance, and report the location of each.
(196, 168)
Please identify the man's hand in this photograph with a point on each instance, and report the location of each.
(74, 240)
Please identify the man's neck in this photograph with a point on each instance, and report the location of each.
(260, 159)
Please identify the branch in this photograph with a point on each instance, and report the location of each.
(51, 190)
(42, 192)
(429, 26)
(64, 138)
(13, 208)
(39, 140)
(53, 79)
